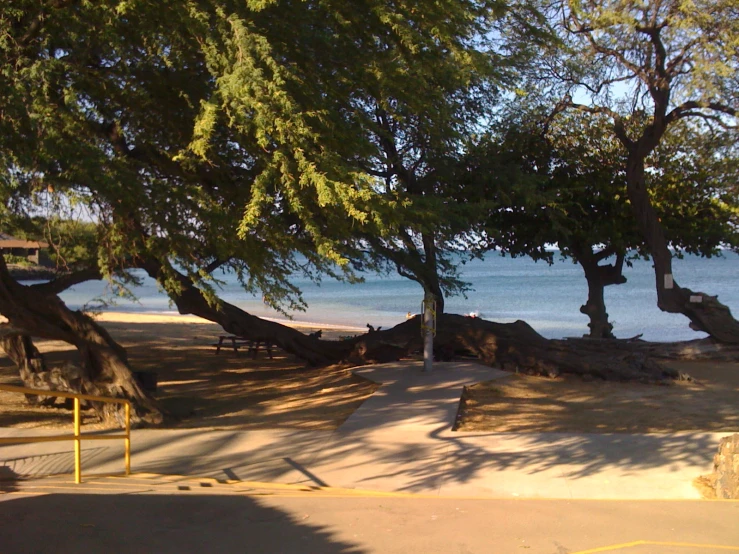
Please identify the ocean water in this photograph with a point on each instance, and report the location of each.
(503, 289)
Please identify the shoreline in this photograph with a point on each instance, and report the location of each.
(503, 290)
(332, 331)
(175, 318)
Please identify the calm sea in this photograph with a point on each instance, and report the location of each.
(503, 289)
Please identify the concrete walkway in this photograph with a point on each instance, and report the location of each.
(401, 440)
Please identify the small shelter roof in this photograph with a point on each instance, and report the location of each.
(6, 241)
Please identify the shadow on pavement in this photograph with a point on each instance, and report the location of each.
(460, 459)
(162, 524)
(577, 456)
(49, 463)
(417, 457)
(8, 479)
(421, 460)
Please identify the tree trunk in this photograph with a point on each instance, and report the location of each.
(430, 277)
(514, 346)
(707, 349)
(517, 347)
(598, 277)
(705, 312)
(434, 290)
(103, 368)
(595, 309)
(31, 365)
(236, 321)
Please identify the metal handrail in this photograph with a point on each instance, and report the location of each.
(78, 436)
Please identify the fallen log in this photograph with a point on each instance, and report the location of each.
(517, 347)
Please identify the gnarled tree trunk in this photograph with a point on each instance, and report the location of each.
(705, 312)
(103, 367)
(599, 277)
(595, 309)
(514, 346)
(31, 366)
(234, 320)
(517, 347)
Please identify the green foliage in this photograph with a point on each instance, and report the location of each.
(669, 51)
(419, 135)
(643, 71)
(552, 182)
(73, 244)
(692, 178)
(567, 186)
(234, 134)
(645, 66)
(17, 260)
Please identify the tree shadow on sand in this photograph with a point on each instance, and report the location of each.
(416, 464)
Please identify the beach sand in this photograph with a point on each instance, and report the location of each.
(202, 389)
(234, 391)
(528, 404)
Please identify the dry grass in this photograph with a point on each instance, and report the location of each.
(521, 403)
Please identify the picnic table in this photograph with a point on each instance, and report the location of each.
(236, 342)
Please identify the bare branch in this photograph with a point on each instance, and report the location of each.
(680, 57)
(215, 264)
(618, 123)
(692, 109)
(63, 282)
(587, 31)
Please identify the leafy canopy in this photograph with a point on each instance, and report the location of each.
(224, 133)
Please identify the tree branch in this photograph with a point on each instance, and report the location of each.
(581, 29)
(688, 109)
(63, 282)
(618, 123)
(215, 264)
(34, 28)
(605, 253)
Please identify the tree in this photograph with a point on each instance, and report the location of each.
(184, 127)
(417, 135)
(577, 168)
(657, 63)
(574, 199)
(179, 125)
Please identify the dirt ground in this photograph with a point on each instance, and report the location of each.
(522, 403)
(202, 389)
(234, 391)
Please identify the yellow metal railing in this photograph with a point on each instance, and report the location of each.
(77, 437)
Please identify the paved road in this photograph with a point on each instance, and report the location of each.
(181, 523)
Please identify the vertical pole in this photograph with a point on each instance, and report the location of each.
(128, 438)
(429, 328)
(77, 449)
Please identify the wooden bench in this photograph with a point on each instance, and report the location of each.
(237, 342)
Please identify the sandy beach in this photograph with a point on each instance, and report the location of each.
(202, 389)
(234, 391)
(330, 331)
